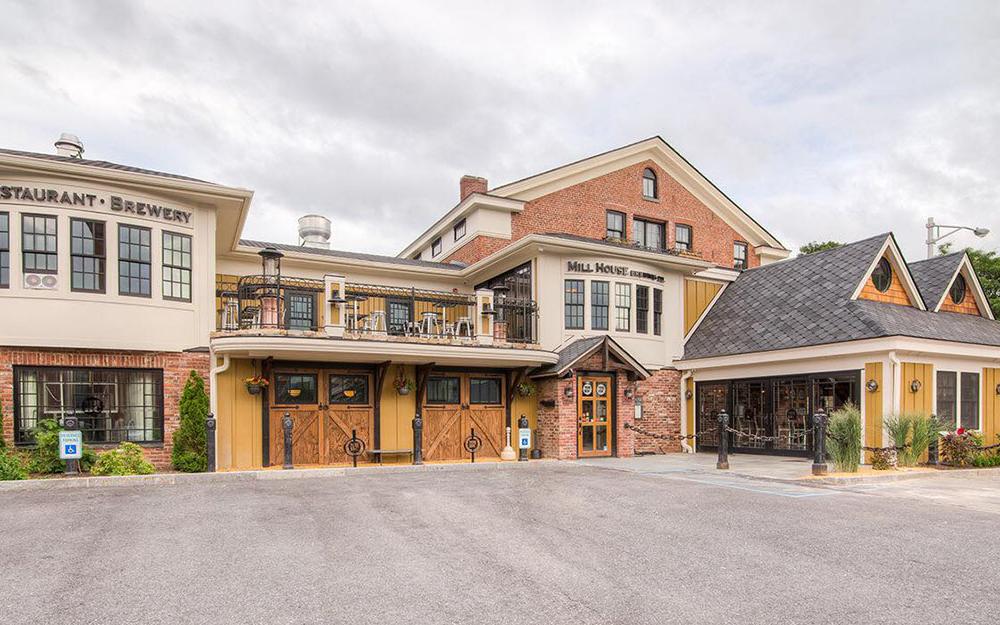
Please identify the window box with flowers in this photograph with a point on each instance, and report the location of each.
(255, 384)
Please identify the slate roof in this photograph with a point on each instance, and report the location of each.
(933, 276)
(806, 301)
(101, 165)
(375, 258)
(581, 348)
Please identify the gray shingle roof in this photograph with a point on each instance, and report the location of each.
(375, 258)
(806, 301)
(100, 164)
(933, 276)
(568, 355)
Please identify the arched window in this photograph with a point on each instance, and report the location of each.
(882, 276)
(649, 184)
(957, 291)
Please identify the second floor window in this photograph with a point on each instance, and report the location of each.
(642, 309)
(657, 311)
(300, 311)
(38, 249)
(573, 298)
(740, 255)
(682, 238)
(649, 234)
(87, 255)
(599, 295)
(649, 184)
(616, 225)
(177, 266)
(4, 250)
(436, 247)
(459, 230)
(623, 307)
(134, 259)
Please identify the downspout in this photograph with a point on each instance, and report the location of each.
(215, 371)
(896, 367)
(684, 416)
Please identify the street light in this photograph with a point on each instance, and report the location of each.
(934, 234)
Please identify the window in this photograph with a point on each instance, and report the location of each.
(300, 311)
(134, 256)
(739, 255)
(38, 237)
(616, 225)
(112, 405)
(459, 230)
(4, 250)
(882, 275)
(657, 311)
(443, 391)
(682, 238)
(177, 266)
(436, 247)
(87, 249)
(484, 390)
(623, 307)
(957, 290)
(947, 398)
(400, 316)
(599, 295)
(649, 184)
(970, 401)
(649, 234)
(642, 309)
(573, 297)
(294, 388)
(349, 389)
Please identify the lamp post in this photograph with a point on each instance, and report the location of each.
(934, 234)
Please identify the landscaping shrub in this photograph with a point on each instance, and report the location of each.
(983, 459)
(3, 441)
(11, 466)
(959, 448)
(914, 432)
(126, 459)
(189, 454)
(844, 440)
(44, 458)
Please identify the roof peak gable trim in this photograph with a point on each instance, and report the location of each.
(895, 255)
(604, 341)
(977, 291)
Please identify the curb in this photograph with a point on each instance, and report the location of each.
(895, 477)
(170, 479)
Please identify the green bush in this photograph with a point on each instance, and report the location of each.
(126, 459)
(3, 441)
(960, 448)
(914, 432)
(11, 466)
(44, 458)
(189, 454)
(983, 459)
(844, 441)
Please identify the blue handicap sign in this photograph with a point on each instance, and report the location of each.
(70, 450)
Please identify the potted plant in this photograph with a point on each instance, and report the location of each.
(255, 384)
(525, 389)
(404, 385)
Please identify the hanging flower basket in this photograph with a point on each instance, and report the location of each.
(525, 389)
(255, 384)
(404, 386)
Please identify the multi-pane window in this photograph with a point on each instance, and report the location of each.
(4, 250)
(657, 311)
(682, 238)
(87, 250)
(573, 298)
(349, 389)
(134, 259)
(38, 238)
(947, 398)
(599, 296)
(969, 403)
(112, 405)
(623, 307)
(177, 266)
(642, 309)
(295, 388)
(740, 255)
(649, 234)
(300, 311)
(459, 230)
(400, 316)
(616, 225)
(649, 184)
(484, 390)
(443, 390)
(436, 247)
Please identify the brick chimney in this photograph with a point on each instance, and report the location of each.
(469, 185)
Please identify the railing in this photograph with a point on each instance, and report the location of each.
(673, 251)
(399, 311)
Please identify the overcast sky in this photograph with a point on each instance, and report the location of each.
(824, 120)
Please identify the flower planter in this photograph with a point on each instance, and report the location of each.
(254, 389)
(403, 391)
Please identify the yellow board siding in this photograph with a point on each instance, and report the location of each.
(991, 406)
(698, 294)
(238, 431)
(689, 401)
(396, 416)
(921, 401)
(527, 406)
(873, 407)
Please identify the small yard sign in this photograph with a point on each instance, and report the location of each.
(524, 438)
(70, 444)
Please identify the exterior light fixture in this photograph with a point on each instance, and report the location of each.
(998, 389)
(568, 392)
(872, 386)
(915, 386)
(934, 234)
(688, 394)
(629, 393)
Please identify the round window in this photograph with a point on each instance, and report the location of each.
(882, 276)
(957, 291)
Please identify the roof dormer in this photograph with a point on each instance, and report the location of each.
(888, 279)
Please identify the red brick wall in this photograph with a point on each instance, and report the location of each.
(176, 367)
(479, 247)
(661, 411)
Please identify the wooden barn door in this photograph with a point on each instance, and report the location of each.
(457, 403)
(486, 413)
(350, 407)
(296, 392)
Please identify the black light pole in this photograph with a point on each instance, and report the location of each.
(286, 430)
(210, 442)
(723, 462)
(819, 440)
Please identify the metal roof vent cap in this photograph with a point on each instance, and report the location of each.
(69, 145)
(314, 231)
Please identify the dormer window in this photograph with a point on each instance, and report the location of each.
(436, 247)
(649, 184)
(957, 290)
(882, 275)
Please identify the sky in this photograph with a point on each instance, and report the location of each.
(823, 120)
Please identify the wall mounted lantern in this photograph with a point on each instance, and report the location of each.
(915, 386)
(872, 386)
(998, 389)
(688, 394)
(568, 391)
(629, 393)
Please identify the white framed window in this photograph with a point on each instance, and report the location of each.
(958, 399)
(623, 307)
(436, 247)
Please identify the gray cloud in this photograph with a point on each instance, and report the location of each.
(823, 121)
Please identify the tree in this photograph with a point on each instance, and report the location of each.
(819, 246)
(189, 454)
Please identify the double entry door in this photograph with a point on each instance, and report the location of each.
(595, 405)
(455, 404)
(326, 406)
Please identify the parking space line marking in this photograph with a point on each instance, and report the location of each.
(763, 491)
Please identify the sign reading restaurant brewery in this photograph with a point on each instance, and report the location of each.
(90, 200)
(575, 266)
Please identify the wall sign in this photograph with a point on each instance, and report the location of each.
(117, 204)
(576, 266)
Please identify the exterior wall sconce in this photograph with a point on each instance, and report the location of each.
(568, 392)
(998, 389)
(688, 394)
(915, 386)
(872, 386)
(629, 393)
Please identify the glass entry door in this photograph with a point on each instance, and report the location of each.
(594, 406)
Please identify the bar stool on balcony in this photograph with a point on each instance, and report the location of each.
(428, 324)
(375, 322)
(230, 311)
(463, 327)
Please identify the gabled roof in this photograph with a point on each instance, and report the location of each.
(933, 276)
(580, 349)
(808, 301)
(100, 164)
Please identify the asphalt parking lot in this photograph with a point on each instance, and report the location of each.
(551, 543)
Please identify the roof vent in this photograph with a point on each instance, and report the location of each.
(69, 145)
(314, 231)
